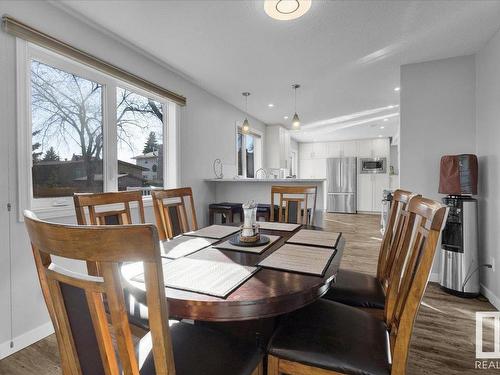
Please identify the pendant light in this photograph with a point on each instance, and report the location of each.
(245, 128)
(295, 119)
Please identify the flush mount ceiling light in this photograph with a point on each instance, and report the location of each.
(295, 119)
(285, 10)
(245, 128)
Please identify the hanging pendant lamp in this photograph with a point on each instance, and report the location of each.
(245, 128)
(295, 119)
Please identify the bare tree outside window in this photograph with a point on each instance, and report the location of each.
(67, 138)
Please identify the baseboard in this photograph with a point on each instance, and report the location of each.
(26, 339)
(434, 278)
(494, 300)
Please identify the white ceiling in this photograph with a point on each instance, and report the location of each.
(345, 54)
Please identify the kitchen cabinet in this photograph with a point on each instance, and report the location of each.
(278, 149)
(370, 189)
(364, 148)
(373, 148)
(305, 151)
(334, 149)
(348, 149)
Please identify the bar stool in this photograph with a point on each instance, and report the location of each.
(264, 212)
(226, 210)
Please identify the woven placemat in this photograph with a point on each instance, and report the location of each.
(285, 227)
(183, 245)
(315, 238)
(214, 231)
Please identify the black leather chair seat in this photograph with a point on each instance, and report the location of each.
(335, 337)
(201, 350)
(237, 207)
(356, 289)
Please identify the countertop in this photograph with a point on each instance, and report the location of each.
(267, 180)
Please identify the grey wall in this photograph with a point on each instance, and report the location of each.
(488, 151)
(437, 118)
(207, 132)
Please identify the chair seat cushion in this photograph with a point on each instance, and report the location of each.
(201, 350)
(236, 207)
(335, 337)
(356, 289)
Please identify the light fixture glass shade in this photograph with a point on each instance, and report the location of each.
(295, 122)
(245, 128)
(285, 10)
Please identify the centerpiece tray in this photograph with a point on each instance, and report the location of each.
(235, 240)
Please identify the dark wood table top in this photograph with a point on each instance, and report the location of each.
(266, 294)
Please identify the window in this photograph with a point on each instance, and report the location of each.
(249, 155)
(88, 132)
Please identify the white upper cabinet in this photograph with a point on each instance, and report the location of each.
(305, 150)
(381, 148)
(319, 150)
(334, 149)
(364, 148)
(349, 149)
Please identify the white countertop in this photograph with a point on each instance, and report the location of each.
(267, 180)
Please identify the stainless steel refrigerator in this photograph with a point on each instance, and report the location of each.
(341, 181)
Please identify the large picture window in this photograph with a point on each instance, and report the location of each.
(83, 131)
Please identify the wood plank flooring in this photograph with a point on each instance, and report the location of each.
(443, 339)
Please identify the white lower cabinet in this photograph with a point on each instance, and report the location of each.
(370, 189)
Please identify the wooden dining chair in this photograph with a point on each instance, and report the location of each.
(295, 202)
(332, 338)
(75, 305)
(365, 291)
(172, 217)
(100, 209)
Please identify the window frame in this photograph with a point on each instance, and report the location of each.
(26, 52)
(258, 136)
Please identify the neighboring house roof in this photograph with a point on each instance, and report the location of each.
(97, 177)
(148, 155)
(67, 162)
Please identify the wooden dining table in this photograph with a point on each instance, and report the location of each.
(267, 293)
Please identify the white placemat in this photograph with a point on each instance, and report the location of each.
(214, 231)
(315, 238)
(301, 259)
(226, 245)
(285, 227)
(217, 279)
(183, 245)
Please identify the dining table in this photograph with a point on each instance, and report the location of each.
(267, 293)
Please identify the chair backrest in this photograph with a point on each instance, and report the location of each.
(106, 216)
(75, 301)
(295, 201)
(398, 214)
(91, 201)
(410, 274)
(172, 218)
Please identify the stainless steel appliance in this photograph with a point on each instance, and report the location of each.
(459, 247)
(341, 181)
(373, 165)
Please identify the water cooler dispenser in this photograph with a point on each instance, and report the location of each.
(459, 273)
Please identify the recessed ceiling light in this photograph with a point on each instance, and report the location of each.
(382, 127)
(270, 105)
(386, 119)
(285, 10)
(397, 88)
(285, 117)
(380, 135)
(391, 106)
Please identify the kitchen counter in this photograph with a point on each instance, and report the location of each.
(240, 190)
(267, 180)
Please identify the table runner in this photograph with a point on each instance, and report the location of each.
(214, 231)
(302, 259)
(183, 245)
(315, 238)
(247, 249)
(216, 279)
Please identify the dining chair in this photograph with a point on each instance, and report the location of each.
(295, 201)
(100, 209)
(365, 291)
(171, 215)
(328, 337)
(75, 304)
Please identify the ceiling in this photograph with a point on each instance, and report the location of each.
(345, 54)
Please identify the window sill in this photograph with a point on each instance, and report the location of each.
(69, 210)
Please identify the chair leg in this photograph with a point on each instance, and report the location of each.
(259, 370)
(273, 365)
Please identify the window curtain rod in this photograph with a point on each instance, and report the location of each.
(23, 31)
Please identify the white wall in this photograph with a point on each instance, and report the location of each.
(437, 118)
(488, 151)
(207, 132)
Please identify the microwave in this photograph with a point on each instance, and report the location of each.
(373, 165)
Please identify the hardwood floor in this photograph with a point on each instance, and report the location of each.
(444, 337)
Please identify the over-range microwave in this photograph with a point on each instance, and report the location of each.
(373, 165)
